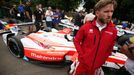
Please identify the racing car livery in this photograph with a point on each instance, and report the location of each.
(43, 46)
(51, 47)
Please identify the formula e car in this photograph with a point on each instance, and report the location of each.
(55, 46)
(42, 45)
(51, 47)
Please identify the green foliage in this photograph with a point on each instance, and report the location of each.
(69, 4)
(125, 10)
(62, 4)
(1, 2)
(89, 4)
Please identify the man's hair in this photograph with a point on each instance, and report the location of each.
(102, 3)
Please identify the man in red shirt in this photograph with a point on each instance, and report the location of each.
(95, 39)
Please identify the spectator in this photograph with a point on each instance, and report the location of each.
(28, 14)
(40, 7)
(56, 18)
(95, 40)
(48, 15)
(13, 12)
(126, 43)
(62, 14)
(89, 17)
(124, 25)
(78, 21)
(38, 15)
(21, 12)
(115, 21)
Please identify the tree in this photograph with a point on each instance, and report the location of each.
(1, 2)
(63, 4)
(69, 4)
(89, 4)
(125, 10)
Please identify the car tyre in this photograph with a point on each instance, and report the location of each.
(15, 47)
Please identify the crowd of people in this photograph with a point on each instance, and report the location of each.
(25, 13)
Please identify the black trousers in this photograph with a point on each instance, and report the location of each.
(38, 25)
(49, 24)
(122, 71)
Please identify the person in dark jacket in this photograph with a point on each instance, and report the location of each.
(95, 40)
(78, 21)
(126, 44)
(38, 15)
(13, 12)
(21, 12)
(28, 15)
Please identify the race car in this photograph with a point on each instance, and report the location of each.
(54, 46)
(43, 46)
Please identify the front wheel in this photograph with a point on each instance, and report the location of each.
(15, 47)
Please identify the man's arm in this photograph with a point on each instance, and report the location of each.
(126, 51)
(78, 41)
(28, 15)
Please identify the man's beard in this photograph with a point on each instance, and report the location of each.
(104, 21)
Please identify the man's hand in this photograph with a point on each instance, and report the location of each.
(125, 50)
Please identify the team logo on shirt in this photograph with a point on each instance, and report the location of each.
(90, 31)
(109, 32)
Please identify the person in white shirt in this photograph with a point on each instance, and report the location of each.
(89, 17)
(48, 15)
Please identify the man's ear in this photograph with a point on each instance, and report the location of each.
(97, 13)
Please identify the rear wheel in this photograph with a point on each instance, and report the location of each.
(15, 47)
